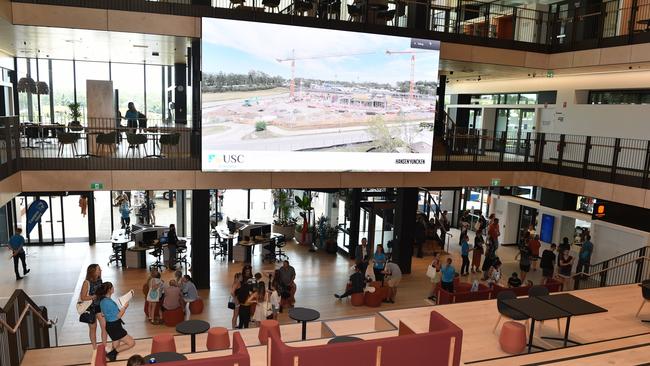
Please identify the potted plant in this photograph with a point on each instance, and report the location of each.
(283, 224)
(327, 235)
(331, 242)
(304, 204)
(309, 233)
(75, 113)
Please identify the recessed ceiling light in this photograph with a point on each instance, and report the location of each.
(140, 46)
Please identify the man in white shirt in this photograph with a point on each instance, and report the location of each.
(393, 277)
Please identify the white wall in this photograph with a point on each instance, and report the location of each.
(625, 121)
(508, 215)
(612, 240)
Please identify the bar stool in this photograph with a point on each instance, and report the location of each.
(513, 337)
(196, 306)
(280, 255)
(173, 317)
(266, 328)
(163, 343)
(217, 339)
(116, 257)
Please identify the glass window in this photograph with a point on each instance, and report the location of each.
(62, 90)
(512, 99)
(619, 97)
(42, 76)
(25, 98)
(88, 71)
(155, 90)
(128, 79)
(528, 98)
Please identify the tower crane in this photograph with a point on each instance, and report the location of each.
(293, 59)
(412, 85)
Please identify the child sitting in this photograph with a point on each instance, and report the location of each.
(514, 280)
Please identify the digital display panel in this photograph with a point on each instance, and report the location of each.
(288, 98)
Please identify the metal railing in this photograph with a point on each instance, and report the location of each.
(31, 329)
(106, 144)
(632, 267)
(543, 28)
(608, 159)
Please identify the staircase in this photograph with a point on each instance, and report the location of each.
(631, 267)
(30, 329)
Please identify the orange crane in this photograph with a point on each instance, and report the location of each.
(412, 53)
(293, 58)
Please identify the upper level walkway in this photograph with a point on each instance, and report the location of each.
(538, 28)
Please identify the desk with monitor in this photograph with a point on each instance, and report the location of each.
(248, 235)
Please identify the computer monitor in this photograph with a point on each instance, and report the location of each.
(232, 226)
(266, 230)
(149, 236)
(256, 232)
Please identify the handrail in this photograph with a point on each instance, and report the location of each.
(28, 307)
(620, 256)
(609, 268)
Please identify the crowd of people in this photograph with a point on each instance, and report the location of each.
(180, 292)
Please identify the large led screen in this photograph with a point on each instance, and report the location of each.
(287, 98)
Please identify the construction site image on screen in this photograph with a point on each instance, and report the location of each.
(287, 88)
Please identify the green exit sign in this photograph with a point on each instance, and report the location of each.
(495, 182)
(96, 185)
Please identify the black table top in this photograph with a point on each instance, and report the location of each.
(344, 339)
(165, 357)
(536, 308)
(303, 314)
(572, 304)
(193, 327)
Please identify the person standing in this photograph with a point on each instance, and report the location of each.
(584, 257)
(394, 274)
(16, 243)
(478, 251)
(524, 261)
(534, 245)
(565, 246)
(566, 265)
(287, 277)
(154, 295)
(448, 273)
(125, 215)
(435, 263)
(361, 251)
(131, 117)
(547, 263)
(172, 241)
(234, 288)
(88, 292)
(464, 252)
(444, 227)
(122, 341)
(83, 204)
(380, 262)
(494, 233)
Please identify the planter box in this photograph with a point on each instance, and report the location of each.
(298, 236)
(287, 231)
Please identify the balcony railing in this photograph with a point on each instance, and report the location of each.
(105, 145)
(465, 21)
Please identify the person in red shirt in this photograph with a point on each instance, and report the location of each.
(533, 246)
(494, 233)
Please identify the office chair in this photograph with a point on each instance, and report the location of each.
(270, 247)
(116, 257)
(219, 247)
(645, 292)
(158, 253)
(508, 312)
(181, 254)
(280, 254)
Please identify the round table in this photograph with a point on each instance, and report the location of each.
(165, 357)
(193, 327)
(344, 339)
(304, 315)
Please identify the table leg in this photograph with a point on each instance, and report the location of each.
(193, 346)
(530, 336)
(566, 330)
(304, 331)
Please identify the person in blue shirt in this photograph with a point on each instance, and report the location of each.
(16, 243)
(584, 257)
(448, 273)
(380, 263)
(464, 252)
(125, 212)
(131, 117)
(113, 314)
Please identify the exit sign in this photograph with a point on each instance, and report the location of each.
(96, 185)
(495, 182)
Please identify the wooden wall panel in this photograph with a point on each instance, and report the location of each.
(307, 180)
(232, 180)
(59, 16)
(52, 180)
(149, 23)
(10, 188)
(162, 180)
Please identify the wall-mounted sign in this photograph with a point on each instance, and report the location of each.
(495, 182)
(599, 210)
(96, 185)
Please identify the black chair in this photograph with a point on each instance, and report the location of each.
(386, 16)
(181, 254)
(135, 141)
(537, 291)
(506, 311)
(645, 291)
(280, 255)
(301, 7)
(158, 254)
(354, 12)
(219, 247)
(67, 138)
(270, 248)
(106, 141)
(271, 4)
(171, 141)
(117, 257)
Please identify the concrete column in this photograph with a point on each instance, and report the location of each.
(405, 210)
(201, 238)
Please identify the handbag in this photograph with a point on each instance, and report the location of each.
(431, 272)
(231, 304)
(88, 316)
(82, 306)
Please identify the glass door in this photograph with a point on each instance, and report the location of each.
(50, 230)
(526, 125)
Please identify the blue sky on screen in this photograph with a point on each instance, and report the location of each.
(233, 46)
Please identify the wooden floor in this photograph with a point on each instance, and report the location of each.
(615, 337)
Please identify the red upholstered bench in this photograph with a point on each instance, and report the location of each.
(440, 346)
(462, 293)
